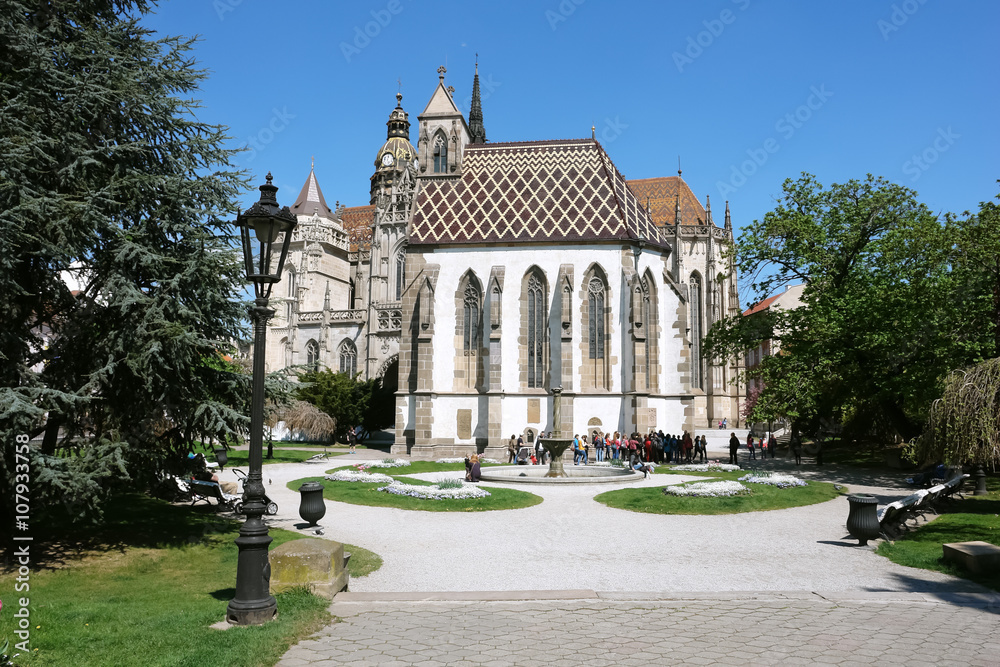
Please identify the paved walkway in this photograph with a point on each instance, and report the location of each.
(622, 630)
(678, 585)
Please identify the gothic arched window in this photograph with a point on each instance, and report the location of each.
(292, 294)
(536, 332)
(348, 358)
(697, 325)
(312, 356)
(595, 328)
(400, 273)
(597, 374)
(440, 154)
(470, 326)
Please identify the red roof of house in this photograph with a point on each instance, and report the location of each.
(761, 305)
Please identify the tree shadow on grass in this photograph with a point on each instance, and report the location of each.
(130, 521)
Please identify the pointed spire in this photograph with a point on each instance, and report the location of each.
(311, 198)
(593, 132)
(326, 297)
(729, 222)
(677, 212)
(708, 210)
(476, 128)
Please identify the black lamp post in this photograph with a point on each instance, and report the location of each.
(254, 603)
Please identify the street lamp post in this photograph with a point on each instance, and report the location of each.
(254, 604)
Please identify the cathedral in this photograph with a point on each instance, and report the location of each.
(483, 275)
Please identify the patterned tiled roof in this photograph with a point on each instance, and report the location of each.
(662, 195)
(357, 222)
(566, 190)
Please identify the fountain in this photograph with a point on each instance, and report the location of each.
(557, 474)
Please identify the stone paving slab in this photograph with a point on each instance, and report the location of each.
(770, 628)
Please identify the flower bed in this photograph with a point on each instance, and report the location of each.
(435, 493)
(706, 467)
(359, 476)
(708, 489)
(780, 480)
(384, 463)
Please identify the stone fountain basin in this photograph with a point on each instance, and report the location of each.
(574, 475)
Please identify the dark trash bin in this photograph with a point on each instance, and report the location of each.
(312, 508)
(862, 522)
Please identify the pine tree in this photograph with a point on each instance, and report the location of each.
(119, 278)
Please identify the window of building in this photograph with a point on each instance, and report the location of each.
(697, 327)
(440, 154)
(312, 356)
(400, 273)
(536, 332)
(596, 317)
(291, 294)
(348, 358)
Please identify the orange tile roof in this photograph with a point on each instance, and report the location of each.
(357, 222)
(662, 195)
(761, 305)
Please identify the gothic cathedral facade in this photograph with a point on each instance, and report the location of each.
(483, 275)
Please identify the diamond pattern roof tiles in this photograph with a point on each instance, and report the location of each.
(566, 190)
(662, 195)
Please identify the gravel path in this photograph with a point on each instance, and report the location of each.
(570, 541)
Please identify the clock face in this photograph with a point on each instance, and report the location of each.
(387, 160)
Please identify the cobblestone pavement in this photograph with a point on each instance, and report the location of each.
(618, 629)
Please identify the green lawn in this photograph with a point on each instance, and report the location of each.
(368, 494)
(762, 497)
(239, 459)
(971, 519)
(145, 589)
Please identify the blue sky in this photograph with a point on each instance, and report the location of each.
(746, 92)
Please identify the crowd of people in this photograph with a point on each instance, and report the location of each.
(652, 447)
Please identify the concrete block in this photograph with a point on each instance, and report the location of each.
(976, 557)
(317, 564)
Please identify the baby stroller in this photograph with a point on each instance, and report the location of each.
(523, 455)
(270, 507)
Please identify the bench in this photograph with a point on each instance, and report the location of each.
(898, 512)
(208, 491)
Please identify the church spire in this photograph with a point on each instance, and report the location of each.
(708, 210)
(677, 211)
(729, 223)
(476, 127)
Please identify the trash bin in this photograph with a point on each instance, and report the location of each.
(312, 508)
(221, 457)
(862, 521)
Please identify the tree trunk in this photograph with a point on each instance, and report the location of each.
(51, 436)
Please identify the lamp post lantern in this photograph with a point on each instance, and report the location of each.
(262, 225)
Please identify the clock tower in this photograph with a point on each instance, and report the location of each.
(392, 190)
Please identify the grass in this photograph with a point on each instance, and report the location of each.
(240, 458)
(971, 519)
(357, 493)
(763, 497)
(148, 583)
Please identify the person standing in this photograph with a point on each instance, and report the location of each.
(352, 440)
(797, 448)
(753, 455)
(772, 445)
(599, 446)
(511, 449)
(734, 447)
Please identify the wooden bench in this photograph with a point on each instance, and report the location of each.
(898, 512)
(208, 491)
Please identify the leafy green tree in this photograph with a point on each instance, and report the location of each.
(349, 401)
(887, 312)
(118, 279)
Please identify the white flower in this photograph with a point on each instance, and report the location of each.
(451, 460)
(435, 493)
(706, 467)
(709, 489)
(780, 480)
(385, 463)
(359, 476)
